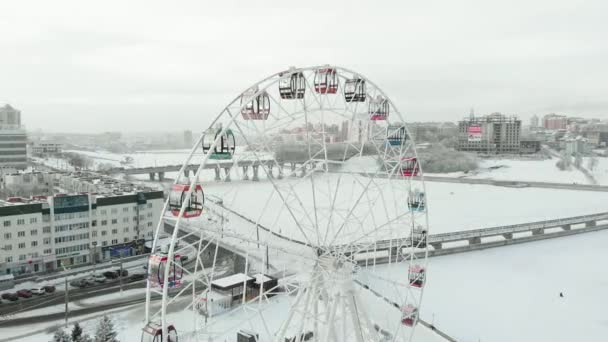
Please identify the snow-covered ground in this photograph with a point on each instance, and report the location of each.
(512, 293)
(524, 170)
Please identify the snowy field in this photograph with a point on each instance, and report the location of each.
(527, 170)
(512, 293)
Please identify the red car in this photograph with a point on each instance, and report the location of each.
(24, 293)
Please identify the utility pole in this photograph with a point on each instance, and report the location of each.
(120, 278)
(67, 296)
(94, 243)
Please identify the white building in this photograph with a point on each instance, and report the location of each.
(46, 147)
(27, 184)
(45, 233)
(13, 151)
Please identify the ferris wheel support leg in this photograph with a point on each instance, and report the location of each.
(227, 173)
(217, 174)
(255, 173)
(293, 169)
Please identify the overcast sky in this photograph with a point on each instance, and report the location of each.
(158, 65)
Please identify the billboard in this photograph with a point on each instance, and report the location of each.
(70, 201)
(474, 133)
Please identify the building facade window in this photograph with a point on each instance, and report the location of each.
(21, 234)
(21, 245)
(46, 230)
(33, 220)
(20, 222)
(34, 232)
(7, 236)
(8, 247)
(7, 223)
(34, 243)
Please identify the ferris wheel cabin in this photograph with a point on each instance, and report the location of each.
(354, 90)
(293, 86)
(225, 147)
(257, 107)
(418, 237)
(396, 135)
(194, 207)
(158, 264)
(409, 315)
(153, 332)
(416, 276)
(410, 167)
(416, 201)
(378, 109)
(326, 81)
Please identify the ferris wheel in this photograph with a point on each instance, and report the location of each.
(288, 218)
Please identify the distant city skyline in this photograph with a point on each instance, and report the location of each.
(147, 65)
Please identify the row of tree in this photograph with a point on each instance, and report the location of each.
(104, 332)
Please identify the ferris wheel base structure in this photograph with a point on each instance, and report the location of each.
(311, 224)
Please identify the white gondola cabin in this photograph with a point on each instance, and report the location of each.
(419, 237)
(416, 276)
(354, 90)
(292, 86)
(153, 332)
(409, 315)
(225, 147)
(416, 201)
(194, 206)
(255, 107)
(326, 80)
(378, 109)
(410, 167)
(159, 263)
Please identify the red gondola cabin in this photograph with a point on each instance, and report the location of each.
(194, 207)
(153, 332)
(255, 107)
(378, 109)
(409, 167)
(326, 81)
(158, 264)
(416, 276)
(409, 315)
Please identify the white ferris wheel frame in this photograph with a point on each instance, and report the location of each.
(234, 118)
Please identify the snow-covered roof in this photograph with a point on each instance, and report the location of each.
(231, 281)
(261, 278)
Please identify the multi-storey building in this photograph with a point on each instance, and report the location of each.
(494, 133)
(44, 233)
(13, 150)
(554, 122)
(534, 121)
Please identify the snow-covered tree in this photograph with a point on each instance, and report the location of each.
(60, 336)
(105, 331)
(578, 160)
(76, 333)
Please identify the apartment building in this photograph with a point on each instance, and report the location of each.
(45, 233)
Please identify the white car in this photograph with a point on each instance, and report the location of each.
(38, 291)
(99, 278)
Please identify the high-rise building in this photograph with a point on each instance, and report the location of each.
(554, 122)
(534, 121)
(13, 151)
(494, 133)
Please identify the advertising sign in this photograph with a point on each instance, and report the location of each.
(70, 201)
(474, 133)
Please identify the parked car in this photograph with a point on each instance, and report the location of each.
(24, 293)
(38, 291)
(110, 274)
(124, 272)
(89, 281)
(99, 278)
(136, 277)
(10, 296)
(78, 282)
(49, 288)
